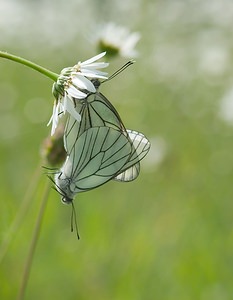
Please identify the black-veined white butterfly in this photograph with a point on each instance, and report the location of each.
(99, 155)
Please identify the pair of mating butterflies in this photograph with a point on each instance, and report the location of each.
(99, 148)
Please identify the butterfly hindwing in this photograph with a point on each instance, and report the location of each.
(140, 148)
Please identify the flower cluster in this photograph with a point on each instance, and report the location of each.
(75, 83)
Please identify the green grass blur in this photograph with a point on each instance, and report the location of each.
(169, 234)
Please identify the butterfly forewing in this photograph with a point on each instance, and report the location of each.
(95, 111)
(98, 155)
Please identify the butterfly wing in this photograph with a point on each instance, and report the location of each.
(97, 156)
(95, 111)
(141, 147)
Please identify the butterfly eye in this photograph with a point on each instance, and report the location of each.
(66, 200)
(96, 83)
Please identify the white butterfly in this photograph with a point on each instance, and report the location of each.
(99, 155)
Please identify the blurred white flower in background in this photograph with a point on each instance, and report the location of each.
(226, 107)
(157, 153)
(115, 40)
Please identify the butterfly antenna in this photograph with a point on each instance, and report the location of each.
(74, 220)
(125, 66)
(50, 171)
(57, 189)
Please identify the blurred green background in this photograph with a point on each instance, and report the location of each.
(167, 235)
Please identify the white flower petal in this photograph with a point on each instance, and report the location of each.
(55, 116)
(71, 109)
(53, 113)
(129, 45)
(98, 65)
(65, 103)
(75, 93)
(96, 74)
(83, 83)
(91, 60)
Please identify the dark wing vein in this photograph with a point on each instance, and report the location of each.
(98, 156)
(95, 111)
(141, 147)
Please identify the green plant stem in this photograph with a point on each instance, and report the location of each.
(21, 212)
(34, 241)
(29, 64)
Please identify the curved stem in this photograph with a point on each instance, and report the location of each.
(21, 212)
(34, 241)
(29, 64)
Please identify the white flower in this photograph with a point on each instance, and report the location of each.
(225, 111)
(74, 83)
(116, 40)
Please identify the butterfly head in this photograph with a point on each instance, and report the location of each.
(65, 199)
(96, 82)
(63, 186)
